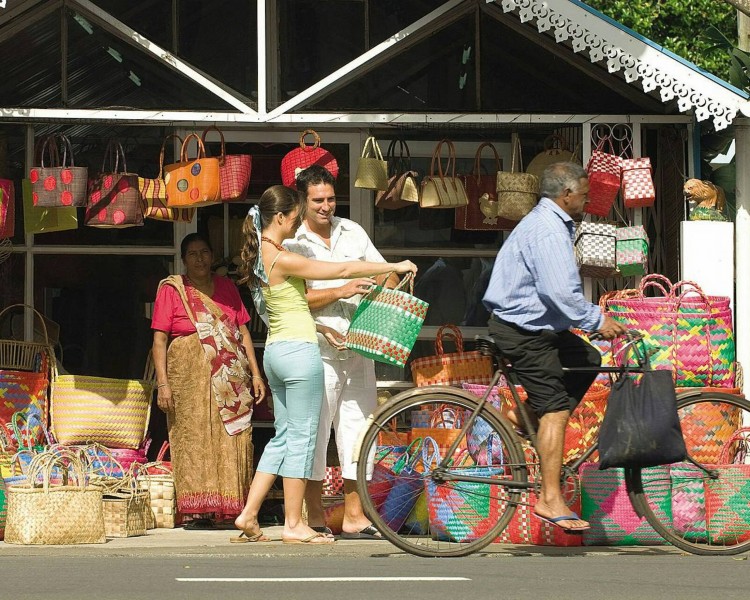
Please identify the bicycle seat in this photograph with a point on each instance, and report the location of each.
(486, 346)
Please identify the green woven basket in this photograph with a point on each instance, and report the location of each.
(386, 323)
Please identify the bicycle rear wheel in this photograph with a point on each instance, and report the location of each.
(415, 505)
(708, 509)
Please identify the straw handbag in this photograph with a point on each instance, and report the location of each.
(554, 152)
(126, 510)
(402, 187)
(386, 323)
(517, 192)
(112, 412)
(114, 198)
(60, 184)
(157, 479)
(193, 182)
(41, 512)
(297, 160)
(234, 170)
(451, 369)
(372, 170)
(443, 190)
(154, 194)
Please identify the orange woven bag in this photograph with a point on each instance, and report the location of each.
(451, 369)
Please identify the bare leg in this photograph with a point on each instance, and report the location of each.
(313, 499)
(550, 446)
(247, 521)
(354, 518)
(294, 528)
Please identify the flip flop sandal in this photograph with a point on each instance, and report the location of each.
(244, 538)
(309, 539)
(323, 529)
(555, 521)
(367, 533)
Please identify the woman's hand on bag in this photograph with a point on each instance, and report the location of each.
(259, 389)
(164, 398)
(405, 266)
(332, 336)
(356, 286)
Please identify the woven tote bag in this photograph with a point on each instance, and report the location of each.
(480, 214)
(402, 189)
(234, 170)
(297, 160)
(583, 425)
(632, 250)
(605, 505)
(111, 412)
(555, 151)
(605, 171)
(7, 209)
(386, 323)
(60, 184)
(54, 513)
(157, 479)
(454, 368)
(442, 430)
(372, 170)
(114, 197)
(727, 512)
(126, 510)
(154, 194)
(193, 182)
(517, 192)
(688, 501)
(595, 246)
(637, 184)
(442, 189)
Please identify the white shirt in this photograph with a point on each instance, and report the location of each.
(348, 242)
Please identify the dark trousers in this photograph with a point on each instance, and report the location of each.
(538, 358)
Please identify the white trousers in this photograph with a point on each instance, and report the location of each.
(350, 397)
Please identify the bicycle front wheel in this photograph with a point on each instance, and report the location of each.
(699, 505)
(415, 503)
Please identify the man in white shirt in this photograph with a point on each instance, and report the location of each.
(350, 385)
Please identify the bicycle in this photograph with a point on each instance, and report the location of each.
(498, 483)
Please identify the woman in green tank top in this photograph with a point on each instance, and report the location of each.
(291, 359)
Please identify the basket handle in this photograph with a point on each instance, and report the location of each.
(478, 159)
(186, 142)
(739, 435)
(376, 153)
(222, 158)
(408, 280)
(452, 331)
(302, 143)
(162, 452)
(660, 282)
(161, 153)
(37, 313)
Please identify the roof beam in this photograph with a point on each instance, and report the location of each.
(414, 33)
(119, 29)
(10, 28)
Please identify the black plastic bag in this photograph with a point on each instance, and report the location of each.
(641, 427)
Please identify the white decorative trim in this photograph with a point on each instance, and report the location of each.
(627, 54)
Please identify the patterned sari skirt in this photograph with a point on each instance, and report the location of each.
(212, 469)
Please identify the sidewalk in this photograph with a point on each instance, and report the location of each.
(180, 542)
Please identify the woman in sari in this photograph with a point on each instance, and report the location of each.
(207, 380)
(291, 359)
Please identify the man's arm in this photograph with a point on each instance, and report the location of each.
(317, 299)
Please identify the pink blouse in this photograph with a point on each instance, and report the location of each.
(170, 315)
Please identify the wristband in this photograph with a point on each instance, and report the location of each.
(161, 385)
(256, 377)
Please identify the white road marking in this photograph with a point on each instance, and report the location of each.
(309, 579)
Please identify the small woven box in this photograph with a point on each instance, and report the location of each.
(158, 482)
(125, 513)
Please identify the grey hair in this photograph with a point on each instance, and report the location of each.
(559, 177)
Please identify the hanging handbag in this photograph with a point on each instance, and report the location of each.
(595, 247)
(480, 214)
(372, 170)
(632, 250)
(386, 323)
(114, 197)
(637, 184)
(554, 152)
(234, 170)
(42, 219)
(192, 182)
(60, 184)
(7, 209)
(444, 190)
(454, 368)
(517, 192)
(641, 427)
(402, 187)
(154, 194)
(297, 160)
(605, 171)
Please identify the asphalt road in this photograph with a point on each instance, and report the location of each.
(651, 574)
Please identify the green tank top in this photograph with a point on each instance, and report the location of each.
(289, 317)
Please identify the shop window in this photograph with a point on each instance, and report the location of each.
(12, 158)
(12, 277)
(102, 306)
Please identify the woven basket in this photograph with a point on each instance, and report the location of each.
(727, 515)
(111, 412)
(517, 193)
(126, 513)
(157, 480)
(54, 514)
(708, 428)
(688, 501)
(387, 322)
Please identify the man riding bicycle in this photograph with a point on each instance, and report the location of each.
(534, 297)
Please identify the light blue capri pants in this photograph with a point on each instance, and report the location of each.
(295, 376)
